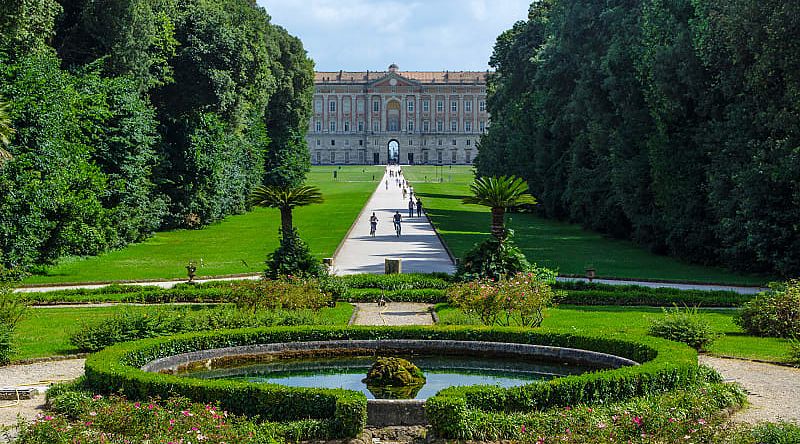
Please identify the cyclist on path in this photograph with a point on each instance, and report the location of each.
(373, 224)
(397, 220)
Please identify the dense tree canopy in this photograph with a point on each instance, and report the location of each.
(672, 123)
(135, 115)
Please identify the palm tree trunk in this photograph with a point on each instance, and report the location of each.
(498, 224)
(286, 222)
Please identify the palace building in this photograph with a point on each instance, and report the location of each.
(400, 117)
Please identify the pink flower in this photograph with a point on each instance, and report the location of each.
(601, 425)
(637, 420)
(701, 421)
(522, 429)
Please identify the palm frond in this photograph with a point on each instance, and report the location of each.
(285, 197)
(6, 131)
(500, 192)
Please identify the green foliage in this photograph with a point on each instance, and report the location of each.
(584, 293)
(391, 282)
(683, 325)
(773, 313)
(693, 411)
(394, 378)
(522, 298)
(667, 123)
(493, 259)
(499, 194)
(794, 352)
(12, 310)
(131, 325)
(767, 433)
(27, 25)
(292, 258)
(6, 131)
(287, 293)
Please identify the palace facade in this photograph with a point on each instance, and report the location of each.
(400, 117)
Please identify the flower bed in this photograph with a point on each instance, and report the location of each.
(342, 413)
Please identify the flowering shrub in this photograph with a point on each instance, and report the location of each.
(115, 420)
(773, 313)
(520, 299)
(288, 293)
(689, 414)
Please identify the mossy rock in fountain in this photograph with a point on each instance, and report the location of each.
(394, 378)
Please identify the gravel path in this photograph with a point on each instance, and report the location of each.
(394, 313)
(773, 390)
(38, 376)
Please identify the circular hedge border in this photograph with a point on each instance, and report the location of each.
(337, 413)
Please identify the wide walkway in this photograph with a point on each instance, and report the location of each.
(394, 314)
(418, 246)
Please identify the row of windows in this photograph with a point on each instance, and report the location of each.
(439, 142)
(334, 157)
(426, 126)
(376, 106)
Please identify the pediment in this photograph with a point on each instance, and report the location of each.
(393, 79)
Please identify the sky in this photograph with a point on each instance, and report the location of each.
(417, 35)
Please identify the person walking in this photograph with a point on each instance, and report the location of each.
(397, 221)
(387, 184)
(373, 224)
(410, 207)
(404, 194)
(419, 208)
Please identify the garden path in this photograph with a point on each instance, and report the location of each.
(419, 246)
(394, 313)
(773, 390)
(39, 376)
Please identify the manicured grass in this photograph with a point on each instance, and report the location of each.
(46, 331)
(238, 244)
(636, 320)
(563, 246)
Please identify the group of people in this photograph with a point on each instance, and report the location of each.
(397, 218)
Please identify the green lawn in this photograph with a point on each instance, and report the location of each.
(238, 244)
(46, 331)
(628, 321)
(563, 246)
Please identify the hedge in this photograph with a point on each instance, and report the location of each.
(585, 293)
(423, 295)
(409, 281)
(666, 365)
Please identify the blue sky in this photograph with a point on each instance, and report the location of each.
(418, 35)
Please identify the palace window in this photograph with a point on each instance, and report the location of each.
(426, 106)
(468, 156)
(360, 106)
(454, 142)
(347, 157)
(333, 142)
(332, 126)
(319, 142)
(439, 126)
(440, 106)
(439, 156)
(469, 142)
(468, 126)
(361, 142)
(360, 126)
(454, 126)
(482, 106)
(482, 126)
(319, 156)
(410, 106)
(410, 142)
(318, 106)
(332, 106)
(346, 106)
(376, 126)
(347, 126)
(440, 142)
(410, 125)
(426, 126)
(468, 106)
(454, 156)
(453, 106)
(376, 106)
(318, 126)
(333, 156)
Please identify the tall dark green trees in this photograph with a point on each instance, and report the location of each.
(670, 123)
(134, 115)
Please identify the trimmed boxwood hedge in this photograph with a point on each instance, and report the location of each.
(666, 365)
(584, 293)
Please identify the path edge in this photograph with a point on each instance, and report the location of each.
(355, 222)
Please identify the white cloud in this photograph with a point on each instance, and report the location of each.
(417, 35)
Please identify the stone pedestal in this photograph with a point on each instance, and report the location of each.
(328, 262)
(393, 266)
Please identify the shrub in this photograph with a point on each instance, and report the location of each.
(522, 297)
(683, 325)
(289, 293)
(773, 313)
(794, 352)
(429, 296)
(780, 433)
(135, 324)
(493, 259)
(292, 258)
(12, 309)
(393, 282)
(584, 293)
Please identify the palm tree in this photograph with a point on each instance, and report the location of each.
(285, 199)
(499, 193)
(5, 132)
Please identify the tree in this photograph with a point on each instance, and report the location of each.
(285, 199)
(6, 131)
(500, 194)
